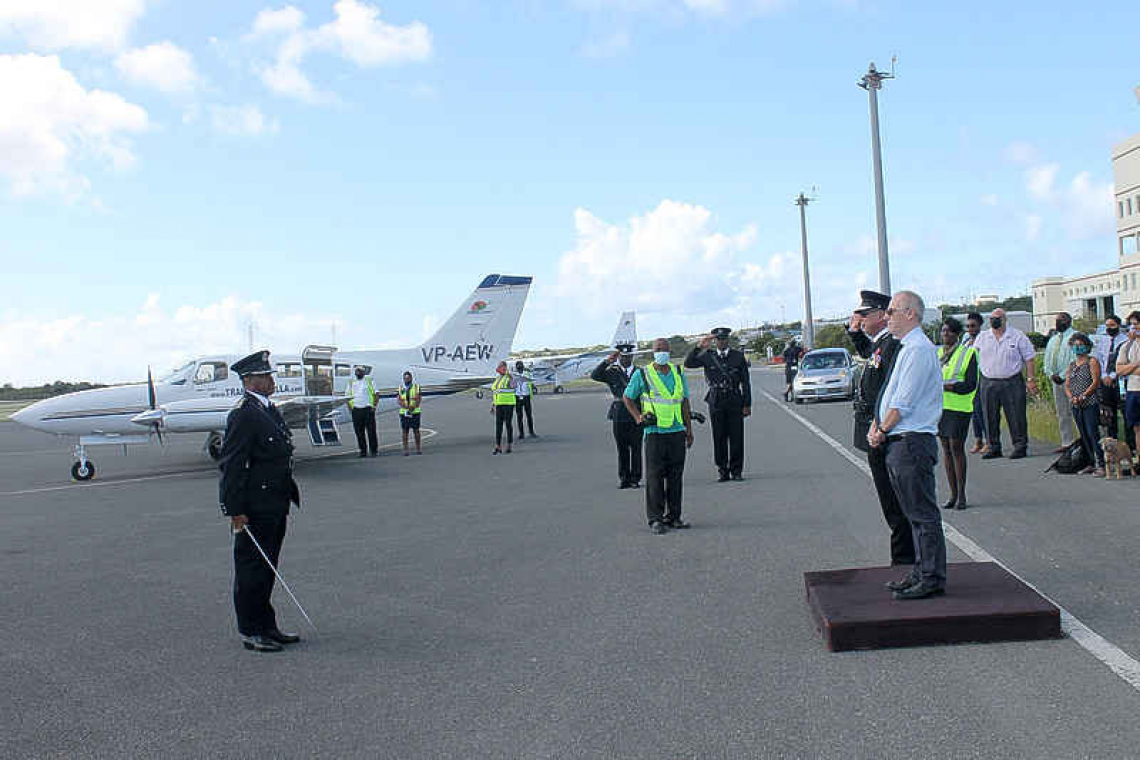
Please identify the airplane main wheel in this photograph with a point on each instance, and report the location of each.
(83, 470)
(214, 447)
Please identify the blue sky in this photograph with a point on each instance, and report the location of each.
(174, 170)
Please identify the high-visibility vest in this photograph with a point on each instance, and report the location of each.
(503, 391)
(408, 396)
(351, 392)
(955, 371)
(665, 404)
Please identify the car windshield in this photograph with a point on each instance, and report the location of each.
(824, 361)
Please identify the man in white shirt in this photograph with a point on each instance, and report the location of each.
(362, 402)
(523, 400)
(1007, 360)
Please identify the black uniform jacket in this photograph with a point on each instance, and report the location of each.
(880, 356)
(257, 462)
(730, 387)
(613, 375)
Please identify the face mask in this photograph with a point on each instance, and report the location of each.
(359, 375)
(661, 357)
(501, 370)
(407, 381)
(1113, 331)
(995, 322)
(1062, 326)
(1080, 349)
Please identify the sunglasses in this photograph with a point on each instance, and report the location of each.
(892, 312)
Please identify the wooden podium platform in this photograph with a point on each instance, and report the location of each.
(982, 603)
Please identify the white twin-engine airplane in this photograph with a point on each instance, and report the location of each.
(559, 370)
(311, 387)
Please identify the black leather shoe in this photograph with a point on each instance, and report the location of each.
(1019, 454)
(282, 638)
(991, 454)
(903, 583)
(962, 504)
(737, 476)
(362, 455)
(724, 478)
(677, 524)
(919, 590)
(624, 484)
(635, 484)
(658, 527)
(950, 504)
(260, 644)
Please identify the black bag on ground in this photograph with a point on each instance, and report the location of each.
(1072, 460)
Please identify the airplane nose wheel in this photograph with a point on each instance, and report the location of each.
(84, 469)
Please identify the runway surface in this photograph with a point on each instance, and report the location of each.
(517, 606)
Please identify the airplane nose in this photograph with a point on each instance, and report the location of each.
(23, 416)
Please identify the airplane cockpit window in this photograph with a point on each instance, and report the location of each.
(211, 372)
(178, 376)
(343, 370)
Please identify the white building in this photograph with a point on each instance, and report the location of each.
(1112, 291)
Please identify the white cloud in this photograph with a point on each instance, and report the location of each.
(1083, 206)
(163, 66)
(59, 24)
(1039, 180)
(357, 34)
(245, 120)
(1021, 152)
(49, 123)
(115, 348)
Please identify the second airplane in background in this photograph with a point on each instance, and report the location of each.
(558, 370)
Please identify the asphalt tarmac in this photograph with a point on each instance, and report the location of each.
(517, 606)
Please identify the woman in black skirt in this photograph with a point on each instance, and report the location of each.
(959, 384)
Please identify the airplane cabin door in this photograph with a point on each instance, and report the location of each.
(317, 362)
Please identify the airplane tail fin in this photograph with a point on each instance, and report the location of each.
(480, 332)
(626, 329)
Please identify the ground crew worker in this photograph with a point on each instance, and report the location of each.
(362, 401)
(729, 398)
(255, 491)
(616, 371)
(503, 401)
(658, 399)
(524, 390)
(409, 399)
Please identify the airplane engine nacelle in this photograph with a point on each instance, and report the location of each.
(190, 416)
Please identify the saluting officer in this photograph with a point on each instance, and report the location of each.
(616, 371)
(255, 492)
(729, 398)
(868, 331)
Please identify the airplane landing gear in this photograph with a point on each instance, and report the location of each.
(84, 469)
(214, 445)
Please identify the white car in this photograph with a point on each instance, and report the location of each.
(825, 373)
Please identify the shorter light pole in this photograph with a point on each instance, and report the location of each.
(809, 329)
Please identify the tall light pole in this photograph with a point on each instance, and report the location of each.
(872, 82)
(809, 328)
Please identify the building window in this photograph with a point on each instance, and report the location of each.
(1127, 245)
(1120, 209)
(1129, 207)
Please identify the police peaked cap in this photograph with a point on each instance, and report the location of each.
(872, 301)
(625, 348)
(721, 332)
(256, 363)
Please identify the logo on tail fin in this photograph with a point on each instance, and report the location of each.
(477, 307)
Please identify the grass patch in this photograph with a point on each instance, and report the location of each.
(8, 408)
(1042, 418)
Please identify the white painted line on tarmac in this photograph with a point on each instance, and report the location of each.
(426, 433)
(1116, 659)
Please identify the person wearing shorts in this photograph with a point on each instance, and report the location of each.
(409, 398)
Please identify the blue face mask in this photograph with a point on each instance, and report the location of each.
(1080, 349)
(661, 357)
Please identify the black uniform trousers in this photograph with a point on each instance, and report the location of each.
(364, 422)
(627, 437)
(1006, 394)
(728, 439)
(523, 403)
(664, 471)
(902, 533)
(253, 578)
(504, 417)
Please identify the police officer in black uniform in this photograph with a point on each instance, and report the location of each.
(616, 371)
(255, 492)
(868, 331)
(729, 398)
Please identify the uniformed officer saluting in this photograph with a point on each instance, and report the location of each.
(255, 491)
(729, 398)
(615, 371)
(868, 331)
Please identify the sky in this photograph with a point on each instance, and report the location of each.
(173, 172)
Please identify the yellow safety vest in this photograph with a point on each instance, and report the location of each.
(955, 371)
(408, 396)
(503, 391)
(665, 404)
(351, 388)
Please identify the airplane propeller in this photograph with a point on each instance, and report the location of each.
(153, 397)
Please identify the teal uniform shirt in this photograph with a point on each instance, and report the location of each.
(637, 388)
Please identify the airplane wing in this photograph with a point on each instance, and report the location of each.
(295, 409)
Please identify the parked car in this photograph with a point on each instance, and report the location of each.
(825, 373)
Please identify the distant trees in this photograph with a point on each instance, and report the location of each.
(47, 390)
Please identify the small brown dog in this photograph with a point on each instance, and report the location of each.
(1116, 453)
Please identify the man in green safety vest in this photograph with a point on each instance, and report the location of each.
(409, 399)
(657, 398)
(362, 401)
(503, 400)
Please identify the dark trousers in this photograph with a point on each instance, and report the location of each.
(979, 418)
(902, 535)
(253, 579)
(523, 403)
(1008, 395)
(504, 417)
(728, 440)
(627, 436)
(1088, 427)
(1110, 400)
(910, 462)
(364, 422)
(664, 470)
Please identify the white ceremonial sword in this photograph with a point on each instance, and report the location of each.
(280, 580)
